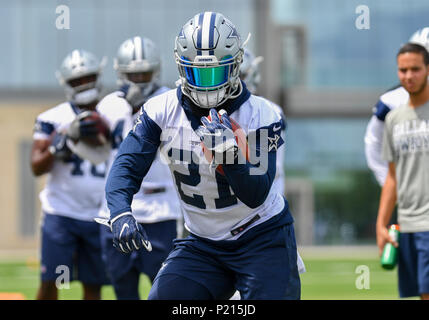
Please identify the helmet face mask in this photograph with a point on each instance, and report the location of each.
(83, 83)
(140, 77)
(208, 54)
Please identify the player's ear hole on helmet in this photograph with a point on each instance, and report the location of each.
(83, 80)
(140, 77)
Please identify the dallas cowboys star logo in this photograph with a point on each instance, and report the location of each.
(233, 33)
(273, 142)
(181, 34)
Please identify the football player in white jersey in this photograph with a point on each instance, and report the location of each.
(72, 195)
(156, 205)
(388, 101)
(220, 143)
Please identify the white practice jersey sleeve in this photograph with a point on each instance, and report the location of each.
(373, 143)
(374, 131)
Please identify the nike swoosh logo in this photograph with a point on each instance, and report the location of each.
(276, 128)
(147, 245)
(123, 229)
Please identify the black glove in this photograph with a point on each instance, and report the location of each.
(59, 148)
(128, 234)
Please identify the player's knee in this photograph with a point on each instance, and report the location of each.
(174, 287)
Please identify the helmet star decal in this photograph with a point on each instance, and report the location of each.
(233, 33)
(181, 34)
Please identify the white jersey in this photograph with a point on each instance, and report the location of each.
(156, 200)
(74, 188)
(374, 131)
(198, 186)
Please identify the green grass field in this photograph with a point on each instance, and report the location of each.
(327, 278)
(23, 277)
(336, 280)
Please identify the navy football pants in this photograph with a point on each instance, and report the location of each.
(261, 264)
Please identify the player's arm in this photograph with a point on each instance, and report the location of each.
(387, 204)
(48, 145)
(388, 194)
(252, 181)
(373, 142)
(251, 189)
(41, 158)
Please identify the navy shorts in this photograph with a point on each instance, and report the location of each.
(413, 264)
(71, 249)
(261, 264)
(118, 264)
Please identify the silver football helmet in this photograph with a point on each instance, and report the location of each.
(249, 70)
(79, 74)
(208, 53)
(138, 62)
(421, 37)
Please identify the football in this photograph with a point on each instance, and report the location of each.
(240, 137)
(90, 128)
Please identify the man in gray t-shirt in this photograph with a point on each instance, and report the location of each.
(406, 148)
(406, 144)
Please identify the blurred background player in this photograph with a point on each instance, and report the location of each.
(74, 187)
(241, 230)
(388, 101)
(155, 206)
(249, 70)
(405, 147)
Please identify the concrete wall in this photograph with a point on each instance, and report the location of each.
(19, 202)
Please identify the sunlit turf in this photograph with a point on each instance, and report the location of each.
(22, 277)
(341, 279)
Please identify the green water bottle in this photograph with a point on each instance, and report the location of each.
(389, 258)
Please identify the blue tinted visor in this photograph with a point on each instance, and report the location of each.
(205, 77)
